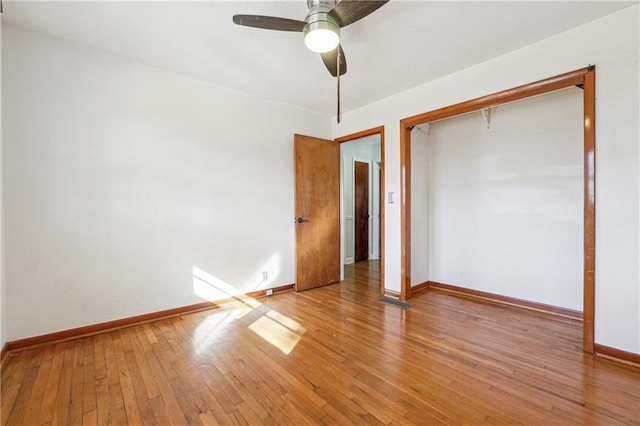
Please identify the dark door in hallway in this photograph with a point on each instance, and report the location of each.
(361, 211)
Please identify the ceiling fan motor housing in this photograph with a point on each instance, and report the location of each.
(318, 18)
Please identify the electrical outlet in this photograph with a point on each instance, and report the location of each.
(270, 292)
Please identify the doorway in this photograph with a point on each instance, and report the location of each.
(362, 210)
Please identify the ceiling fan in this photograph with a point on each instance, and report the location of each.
(321, 28)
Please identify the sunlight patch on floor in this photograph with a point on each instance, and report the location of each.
(275, 328)
(210, 331)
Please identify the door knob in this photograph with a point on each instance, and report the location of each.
(300, 220)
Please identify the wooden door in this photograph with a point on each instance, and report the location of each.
(361, 211)
(317, 212)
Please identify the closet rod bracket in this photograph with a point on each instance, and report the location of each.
(486, 114)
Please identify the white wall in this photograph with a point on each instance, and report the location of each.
(120, 179)
(3, 323)
(506, 203)
(612, 44)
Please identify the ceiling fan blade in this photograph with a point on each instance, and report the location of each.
(330, 60)
(269, 22)
(349, 11)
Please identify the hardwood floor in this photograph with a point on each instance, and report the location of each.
(333, 355)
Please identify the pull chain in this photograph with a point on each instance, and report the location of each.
(338, 67)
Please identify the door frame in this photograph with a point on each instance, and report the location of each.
(584, 78)
(351, 137)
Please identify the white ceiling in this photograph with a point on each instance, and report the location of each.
(402, 45)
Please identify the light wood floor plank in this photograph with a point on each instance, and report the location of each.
(77, 384)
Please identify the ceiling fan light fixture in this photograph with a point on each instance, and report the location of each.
(321, 36)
